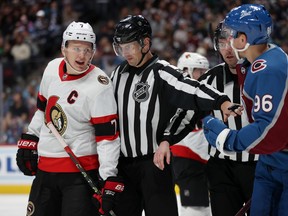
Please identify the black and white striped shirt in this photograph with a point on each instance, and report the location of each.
(222, 79)
(148, 97)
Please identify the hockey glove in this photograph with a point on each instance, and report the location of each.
(27, 156)
(113, 186)
(212, 128)
(218, 135)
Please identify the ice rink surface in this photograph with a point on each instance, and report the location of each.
(14, 204)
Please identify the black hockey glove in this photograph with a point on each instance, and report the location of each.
(113, 186)
(27, 156)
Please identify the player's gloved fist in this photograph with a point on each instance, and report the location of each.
(212, 128)
(97, 201)
(27, 156)
(113, 186)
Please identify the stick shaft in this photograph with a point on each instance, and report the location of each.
(75, 160)
(244, 209)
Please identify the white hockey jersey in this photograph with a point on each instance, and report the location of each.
(194, 146)
(83, 110)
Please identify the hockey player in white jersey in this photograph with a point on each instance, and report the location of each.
(191, 154)
(77, 97)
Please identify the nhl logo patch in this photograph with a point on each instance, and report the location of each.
(103, 79)
(30, 208)
(141, 93)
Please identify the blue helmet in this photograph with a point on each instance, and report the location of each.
(253, 20)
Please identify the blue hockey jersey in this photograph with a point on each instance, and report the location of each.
(265, 99)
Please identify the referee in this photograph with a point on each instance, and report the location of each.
(230, 178)
(148, 92)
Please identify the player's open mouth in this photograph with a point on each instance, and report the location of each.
(79, 63)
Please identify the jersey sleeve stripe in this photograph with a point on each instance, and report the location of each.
(41, 102)
(105, 127)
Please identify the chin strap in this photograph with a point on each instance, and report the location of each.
(236, 51)
(143, 55)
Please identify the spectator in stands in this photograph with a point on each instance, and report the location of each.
(21, 53)
(196, 13)
(15, 120)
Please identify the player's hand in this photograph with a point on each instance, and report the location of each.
(161, 153)
(111, 191)
(97, 201)
(229, 108)
(27, 156)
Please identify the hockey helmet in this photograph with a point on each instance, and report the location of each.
(253, 20)
(218, 34)
(81, 32)
(132, 28)
(192, 60)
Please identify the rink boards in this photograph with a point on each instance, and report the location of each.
(12, 180)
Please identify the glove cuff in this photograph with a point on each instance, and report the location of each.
(221, 140)
(114, 184)
(28, 141)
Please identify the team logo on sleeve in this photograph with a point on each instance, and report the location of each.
(141, 93)
(258, 65)
(30, 208)
(103, 79)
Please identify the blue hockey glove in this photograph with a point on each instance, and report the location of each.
(218, 135)
(212, 128)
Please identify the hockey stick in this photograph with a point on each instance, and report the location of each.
(75, 161)
(244, 209)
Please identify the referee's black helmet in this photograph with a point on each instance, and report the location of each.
(132, 28)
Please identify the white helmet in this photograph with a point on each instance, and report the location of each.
(192, 60)
(79, 31)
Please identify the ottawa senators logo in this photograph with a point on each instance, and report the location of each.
(103, 79)
(30, 208)
(56, 115)
(141, 93)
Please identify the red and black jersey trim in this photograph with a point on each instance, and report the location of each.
(41, 102)
(106, 127)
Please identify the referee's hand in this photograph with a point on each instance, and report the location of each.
(232, 109)
(161, 153)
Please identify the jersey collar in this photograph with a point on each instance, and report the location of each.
(66, 77)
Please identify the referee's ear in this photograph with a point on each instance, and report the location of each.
(146, 44)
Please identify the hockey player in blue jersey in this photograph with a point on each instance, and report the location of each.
(266, 101)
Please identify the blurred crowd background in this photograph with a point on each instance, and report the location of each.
(31, 35)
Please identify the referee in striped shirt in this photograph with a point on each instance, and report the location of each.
(230, 177)
(148, 92)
